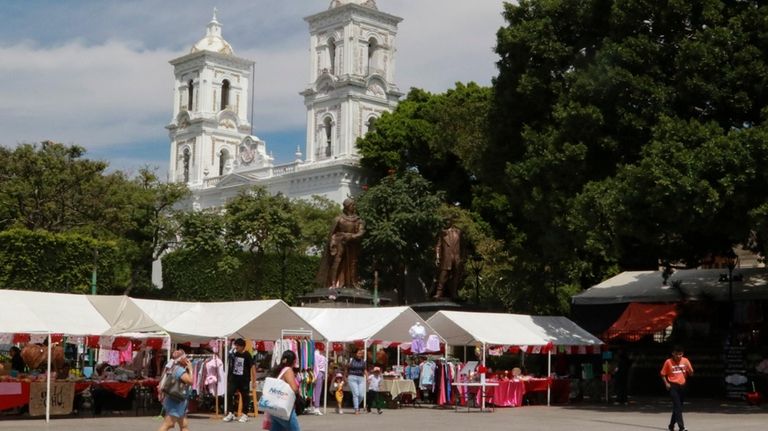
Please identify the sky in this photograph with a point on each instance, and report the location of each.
(95, 73)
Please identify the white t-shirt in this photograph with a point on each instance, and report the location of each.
(374, 382)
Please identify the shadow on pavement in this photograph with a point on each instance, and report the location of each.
(661, 405)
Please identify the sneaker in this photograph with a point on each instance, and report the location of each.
(318, 412)
(341, 412)
(229, 417)
(243, 419)
(379, 411)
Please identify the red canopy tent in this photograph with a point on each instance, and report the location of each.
(641, 319)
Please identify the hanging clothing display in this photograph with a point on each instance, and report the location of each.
(418, 335)
(433, 343)
(213, 377)
(427, 375)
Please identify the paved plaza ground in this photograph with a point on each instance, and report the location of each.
(651, 414)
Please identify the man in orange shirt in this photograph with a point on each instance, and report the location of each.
(674, 373)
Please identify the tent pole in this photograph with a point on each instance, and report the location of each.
(398, 355)
(327, 369)
(549, 376)
(465, 353)
(482, 383)
(226, 374)
(365, 380)
(48, 384)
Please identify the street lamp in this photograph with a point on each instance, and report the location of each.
(95, 270)
(731, 260)
(477, 268)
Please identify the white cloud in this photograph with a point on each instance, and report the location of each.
(96, 96)
(110, 87)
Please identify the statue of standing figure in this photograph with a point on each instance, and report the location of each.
(450, 260)
(338, 267)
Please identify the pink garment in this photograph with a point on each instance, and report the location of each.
(125, 356)
(214, 376)
(321, 362)
(433, 343)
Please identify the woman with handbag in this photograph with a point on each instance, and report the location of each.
(284, 371)
(175, 401)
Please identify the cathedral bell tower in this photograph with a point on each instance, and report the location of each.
(210, 130)
(352, 68)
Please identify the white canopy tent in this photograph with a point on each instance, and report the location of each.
(49, 313)
(347, 325)
(202, 321)
(468, 328)
(45, 312)
(124, 315)
(352, 324)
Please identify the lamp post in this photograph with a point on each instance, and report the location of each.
(95, 269)
(731, 260)
(477, 268)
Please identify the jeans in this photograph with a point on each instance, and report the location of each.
(677, 392)
(357, 387)
(292, 424)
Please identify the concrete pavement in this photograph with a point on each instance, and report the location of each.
(700, 415)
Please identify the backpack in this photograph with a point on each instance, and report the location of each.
(172, 386)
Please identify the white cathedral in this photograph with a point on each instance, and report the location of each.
(352, 64)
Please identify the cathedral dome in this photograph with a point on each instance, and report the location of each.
(213, 41)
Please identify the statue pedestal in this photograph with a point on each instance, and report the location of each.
(427, 309)
(340, 298)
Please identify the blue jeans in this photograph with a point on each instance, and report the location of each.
(357, 387)
(292, 424)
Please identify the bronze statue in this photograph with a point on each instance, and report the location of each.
(450, 262)
(338, 267)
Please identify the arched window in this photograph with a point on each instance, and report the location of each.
(373, 46)
(328, 134)
(371, 124)
(332, 56)
(190, 90)
(224, 94)
(223, 159)
(186, 164)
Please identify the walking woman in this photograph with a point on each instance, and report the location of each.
(284, 371)
(175, 408)
(356, 375)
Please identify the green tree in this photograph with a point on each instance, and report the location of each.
(52, 187)
(439, 135)
(401, 221)
(624, 132)
(315, 217)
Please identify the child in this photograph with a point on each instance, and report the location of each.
(374, 382)
(338, 388)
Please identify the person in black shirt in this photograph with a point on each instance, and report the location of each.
(239, 379)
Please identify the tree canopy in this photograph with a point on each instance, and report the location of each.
(617, 134)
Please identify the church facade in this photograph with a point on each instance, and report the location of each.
(212, 146)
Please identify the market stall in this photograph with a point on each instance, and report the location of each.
(534, 334)
(44, 317)
(368, 326)
(203, 321)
